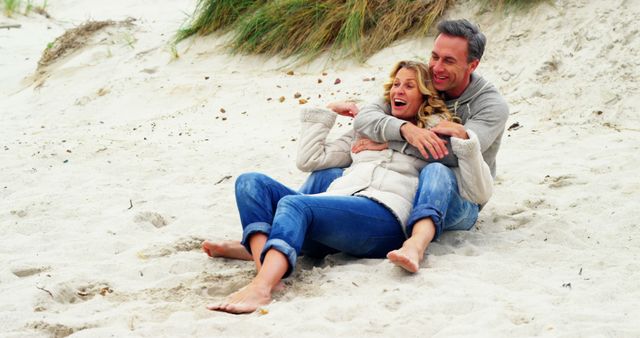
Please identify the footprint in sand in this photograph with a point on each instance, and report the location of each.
(518, 222)
(181, 245)
(537, 204)
(512, 222)
(561, 181)
(19, 213)
(66, 293)
(342, 314)
(152, 217)
(56, 330)
(25, 271)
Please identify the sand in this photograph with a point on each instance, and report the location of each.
(118, 158)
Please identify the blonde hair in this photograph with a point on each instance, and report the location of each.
(431, 103)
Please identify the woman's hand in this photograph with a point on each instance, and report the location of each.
(366, 144)
(344, 108)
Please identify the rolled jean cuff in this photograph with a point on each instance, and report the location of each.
(284, 248)
(253, 228)
(425, 211)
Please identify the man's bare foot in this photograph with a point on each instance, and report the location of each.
(226, 249)
(405, 258)
(246, 300)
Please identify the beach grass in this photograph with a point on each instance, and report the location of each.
(306, 28)
(11, 6)
(219, 15)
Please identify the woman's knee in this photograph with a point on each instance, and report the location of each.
(247, 183)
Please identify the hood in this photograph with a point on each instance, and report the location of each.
(477, 85)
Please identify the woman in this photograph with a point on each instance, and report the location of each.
(363, 212)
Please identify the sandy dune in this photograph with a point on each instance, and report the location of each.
(118, 159)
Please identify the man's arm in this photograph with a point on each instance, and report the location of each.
(450, 160)
(375, 122)
(489, 121)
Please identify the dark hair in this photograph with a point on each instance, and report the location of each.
(465, 29)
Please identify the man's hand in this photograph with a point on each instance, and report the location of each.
(366, 144)
(451, 129)
(424, 140)
(344, 108)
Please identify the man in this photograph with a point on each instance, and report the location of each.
(439, 205)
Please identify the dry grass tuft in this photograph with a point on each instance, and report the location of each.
(74, 39)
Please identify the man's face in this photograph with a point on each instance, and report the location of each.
(450, 70)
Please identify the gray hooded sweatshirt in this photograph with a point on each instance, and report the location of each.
(480, 107)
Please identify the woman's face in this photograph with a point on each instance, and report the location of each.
(404, 95)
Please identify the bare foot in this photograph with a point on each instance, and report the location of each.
(405, 258)
(226, 249)
(246, 300)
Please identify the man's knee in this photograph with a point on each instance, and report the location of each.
(435, 169)
(437, 176)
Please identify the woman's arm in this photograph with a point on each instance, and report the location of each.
(314, 151)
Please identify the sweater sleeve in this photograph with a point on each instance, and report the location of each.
(450, 160)
(314, 151)
(375, 122)
(475, 182)
(490, 119)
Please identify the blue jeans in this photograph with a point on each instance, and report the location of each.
(437, 197)
(295, 223)
(319, 181)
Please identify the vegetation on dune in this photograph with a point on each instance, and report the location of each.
(14, 6)
(11, 6)
(75, 38)
(217, 15)
(306, 28)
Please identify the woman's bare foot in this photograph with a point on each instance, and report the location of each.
(406, 258)
(246, 300)
(412, 251)
(226, 249)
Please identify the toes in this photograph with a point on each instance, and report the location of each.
(205, 248)
(214, 307)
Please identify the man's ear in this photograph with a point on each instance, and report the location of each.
(473, 65)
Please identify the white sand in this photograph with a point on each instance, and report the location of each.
(555, 253)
